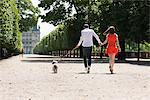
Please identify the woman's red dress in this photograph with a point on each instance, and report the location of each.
(112, 47)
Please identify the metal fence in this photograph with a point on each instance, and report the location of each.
(77, 54)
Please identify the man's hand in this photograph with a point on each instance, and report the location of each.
(101, 44)
(75, 48)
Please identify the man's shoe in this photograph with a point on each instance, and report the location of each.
(88, 70)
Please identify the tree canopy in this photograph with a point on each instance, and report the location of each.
(10, 36)
(28, 14)
(130, 17)
(15, 16)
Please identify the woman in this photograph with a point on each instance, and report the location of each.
(113, 46)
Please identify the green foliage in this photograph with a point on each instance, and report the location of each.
(58, 11)
(28, 14)
(94, 12)
(132, 46)
(10, 37)
(130, 17)
(62, 38)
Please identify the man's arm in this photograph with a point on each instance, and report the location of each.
(96, 37)
(79, 43)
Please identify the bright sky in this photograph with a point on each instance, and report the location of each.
(45, 28)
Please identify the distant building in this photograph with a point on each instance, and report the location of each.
(30, 38)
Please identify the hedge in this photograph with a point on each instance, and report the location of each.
(10, 36)
(64, 37)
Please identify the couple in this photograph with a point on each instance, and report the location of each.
(86, 39)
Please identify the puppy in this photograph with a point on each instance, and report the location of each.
(55, 67)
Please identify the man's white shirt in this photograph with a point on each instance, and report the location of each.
(86, 37)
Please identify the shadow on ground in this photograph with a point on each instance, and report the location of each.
(76, 60)
(145, 63)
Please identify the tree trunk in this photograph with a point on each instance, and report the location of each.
(138, 55)
(122, 55)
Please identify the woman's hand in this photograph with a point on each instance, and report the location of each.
(119, 49)
(101, 44)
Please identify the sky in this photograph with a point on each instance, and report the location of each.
(45, 28)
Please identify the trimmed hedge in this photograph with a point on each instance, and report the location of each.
(10, 36)
(64, 37)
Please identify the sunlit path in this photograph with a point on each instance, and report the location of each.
(21, 80)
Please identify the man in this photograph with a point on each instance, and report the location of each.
(86, 39)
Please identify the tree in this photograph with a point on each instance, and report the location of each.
(86, 11)
(131, 18)
(28, 14)
(10, 37)
(59, 10)
(139, 22)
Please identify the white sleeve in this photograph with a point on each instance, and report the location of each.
(96, 36)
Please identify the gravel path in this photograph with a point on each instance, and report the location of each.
(35, 81)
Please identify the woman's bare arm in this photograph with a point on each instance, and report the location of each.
(106, 40)
(117, 42)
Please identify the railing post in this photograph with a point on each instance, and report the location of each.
(70, 53)
(74, 53)
(77, 53)
(67, 52)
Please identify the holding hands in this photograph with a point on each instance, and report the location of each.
(101, 44)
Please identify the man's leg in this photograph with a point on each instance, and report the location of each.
(85, 61)
(89, 56)
(85, 57)
(89, 51)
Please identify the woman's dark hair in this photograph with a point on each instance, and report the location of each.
(111, 30)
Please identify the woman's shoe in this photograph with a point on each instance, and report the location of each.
(111, 70)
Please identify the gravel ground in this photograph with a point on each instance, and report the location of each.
(21, 80)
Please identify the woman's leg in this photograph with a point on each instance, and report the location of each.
(110, 60)
(113, 60)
